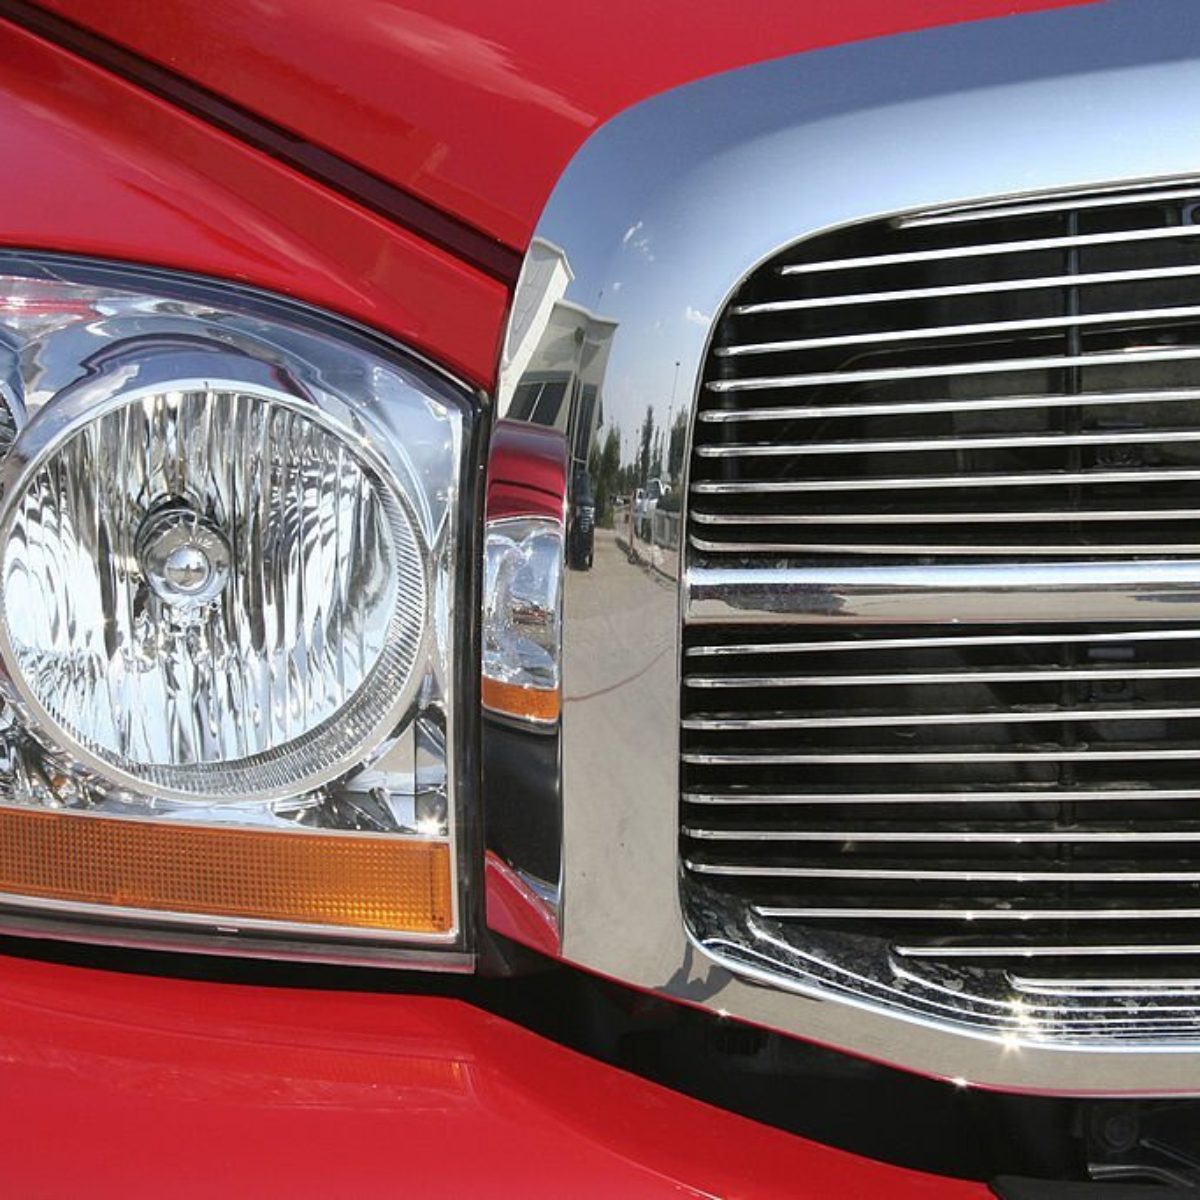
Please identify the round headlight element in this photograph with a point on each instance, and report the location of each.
(208, 590)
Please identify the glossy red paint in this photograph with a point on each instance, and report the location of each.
(516, 911)
(119, 1085)
(527, 471)
(108, 171)
(474, 105)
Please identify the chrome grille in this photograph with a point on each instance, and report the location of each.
(940, 697)
(989, 382)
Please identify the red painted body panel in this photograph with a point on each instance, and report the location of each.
(475, 105)
(118, 1085)
(106, 170)
(516, 911)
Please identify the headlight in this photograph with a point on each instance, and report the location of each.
(229, 612)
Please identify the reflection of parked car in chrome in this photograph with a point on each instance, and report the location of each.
(645, 503)
(581, 524)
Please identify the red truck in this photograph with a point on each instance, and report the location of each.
(389, 805)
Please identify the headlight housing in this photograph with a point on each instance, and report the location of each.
(231, 614)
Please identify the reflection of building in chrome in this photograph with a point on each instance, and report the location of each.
(552, 375)
(556, 355)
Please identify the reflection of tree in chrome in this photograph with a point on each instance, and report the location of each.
(608, 480)
(676, 444)
(647, 441)
(658, 454)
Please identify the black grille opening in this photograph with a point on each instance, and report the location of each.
(999, 808)
(921, 390)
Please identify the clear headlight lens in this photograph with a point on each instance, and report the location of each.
(228, 611)
(208, 591)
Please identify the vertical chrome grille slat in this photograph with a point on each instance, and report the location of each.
(942, 608)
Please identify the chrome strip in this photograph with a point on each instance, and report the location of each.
(1071, 591)
(962, 875)
(945, 549)
(818, 913)
(1008, 716)
(920, 643)
(897, 678)
(1039, 754)
(907, 445)
(999, 366)
(1074, 321)
(1025, 951)
(926, 483)
(992, 516)
(845, 300)
(907, 407)
(948, 797)
(1019, 836)
(987, 249)
(990, 211)
(1075, 987)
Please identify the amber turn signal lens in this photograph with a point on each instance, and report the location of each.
(380, 883)
(536, 704)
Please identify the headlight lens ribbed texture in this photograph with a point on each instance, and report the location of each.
(211, 591)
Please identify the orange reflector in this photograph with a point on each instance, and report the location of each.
(308, 878)
(534, 704)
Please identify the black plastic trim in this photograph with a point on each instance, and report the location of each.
(1010, 1187)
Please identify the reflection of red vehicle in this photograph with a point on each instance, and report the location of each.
(326, 647)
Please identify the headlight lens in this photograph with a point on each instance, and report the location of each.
(208, 591)
(229, 617)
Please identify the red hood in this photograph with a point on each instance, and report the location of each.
(475, 105)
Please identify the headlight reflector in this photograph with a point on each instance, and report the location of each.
(207, 591)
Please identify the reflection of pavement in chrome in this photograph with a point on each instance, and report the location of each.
(663, 558)
(620, 716)
(611, 636)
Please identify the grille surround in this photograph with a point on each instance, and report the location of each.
(781, 586)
